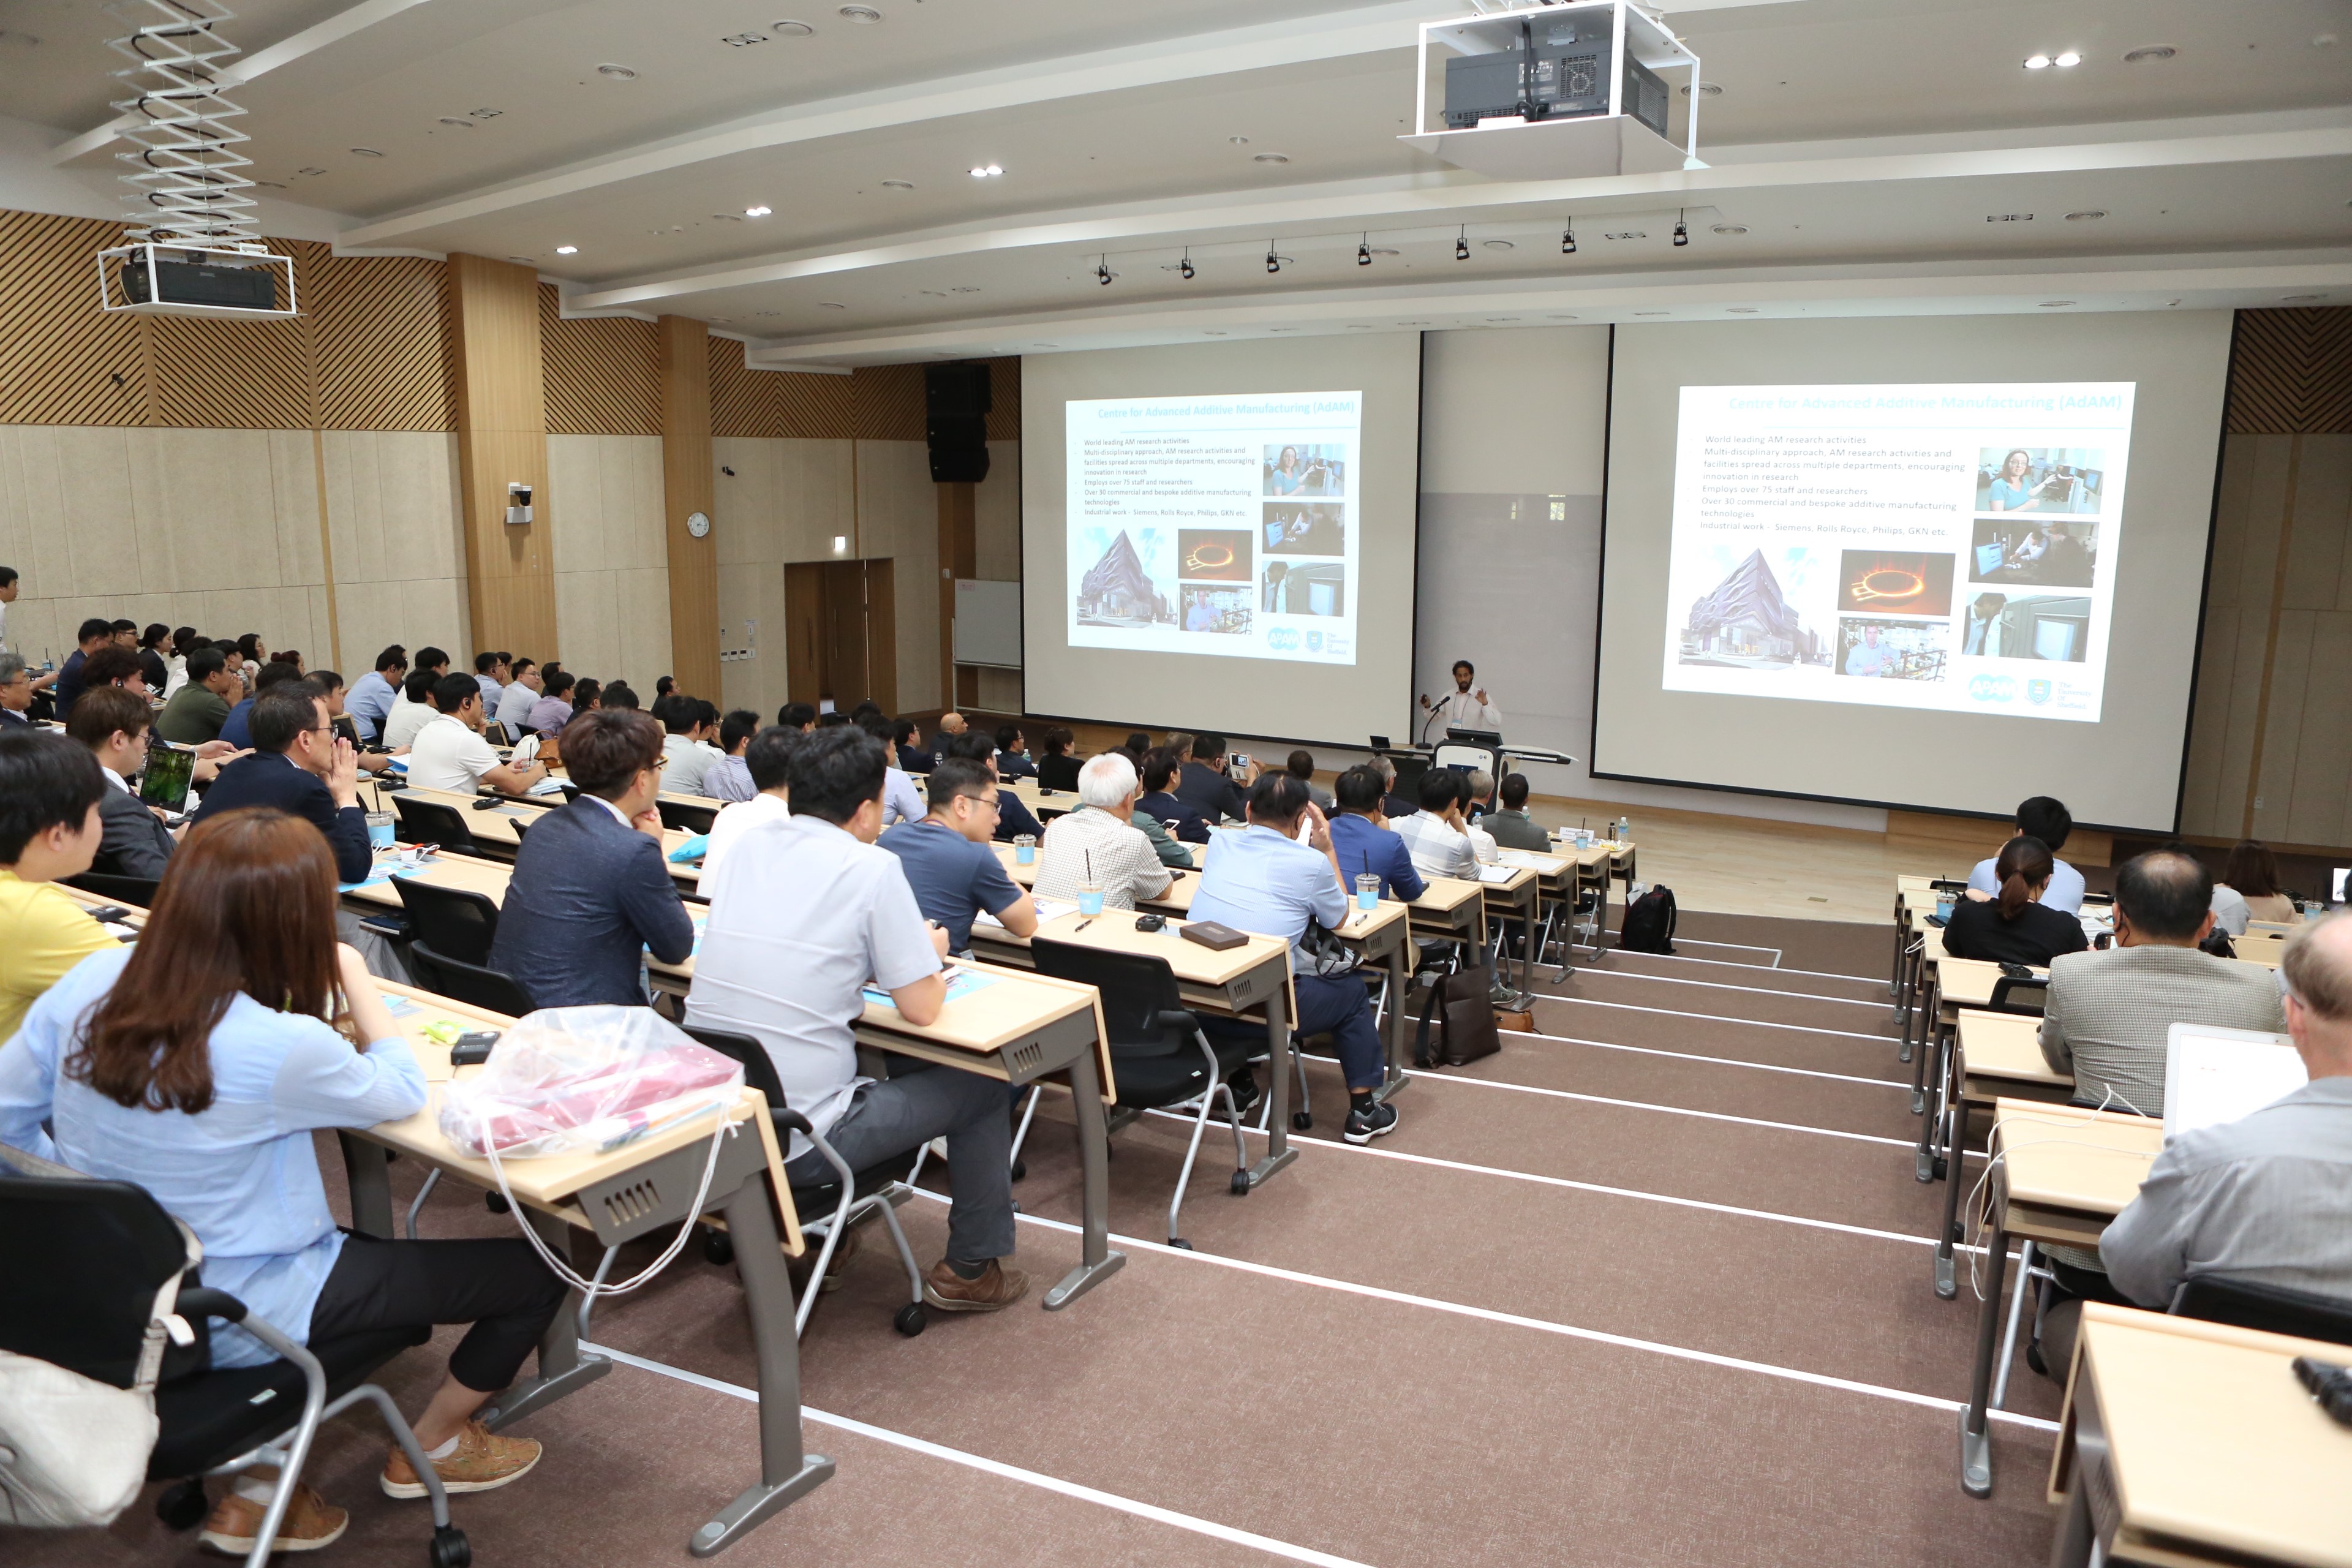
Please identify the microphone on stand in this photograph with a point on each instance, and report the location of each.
(1425, 722)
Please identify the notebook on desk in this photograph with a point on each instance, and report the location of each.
(2213, 1076)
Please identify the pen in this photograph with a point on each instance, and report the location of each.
(1085, 922)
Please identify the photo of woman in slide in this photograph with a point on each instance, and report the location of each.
(1303, 468)
(1305, 528)
(2040, 478)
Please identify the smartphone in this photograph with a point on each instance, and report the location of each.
(1238, 758)
(347, 729)
(164, 781)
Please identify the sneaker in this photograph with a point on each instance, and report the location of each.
(481, 1462)
(1245, 1092)
(940, 1150)
(309, 1524)
(992, 1292)
(1369, 1121)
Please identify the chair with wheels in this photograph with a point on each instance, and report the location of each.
(432, 822)
(476, 985)
(103, 1283)
(136, 891)
(2273, 1309)
(453, 922)
(684, 817)
(1160, 1058)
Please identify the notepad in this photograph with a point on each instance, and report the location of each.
(2213, 1076)
(1048, 909)
(961, 983)
(1497, 873)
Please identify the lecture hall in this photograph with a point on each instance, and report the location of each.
(988, 781)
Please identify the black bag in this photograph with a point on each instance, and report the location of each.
(2217, 943)
(1463, 1008)
(1649, 923)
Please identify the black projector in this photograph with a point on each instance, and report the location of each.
(199, 283)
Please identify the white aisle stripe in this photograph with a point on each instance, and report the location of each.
(1718, 986)
(1209, 1527)
(1742, 946)
(1716, 1019)
(1757, 968)
(1702, 1057)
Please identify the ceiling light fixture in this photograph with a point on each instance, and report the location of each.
(2037, 62)
(1102, 271)
(2054, 304)
(1238, 141)
(365, 153)
(1273, 262)
(898, 185)
(791, 29)
(758, 210)
(864, 15)
(1270, 158)
(567, 250)
(616, 73)
(1364, 251)
(832, 305)
(2090, 215)
(2068, 61)
(2148, 54)
(1682, 230)
(1185, 267)
(985, 171)
(460, 124)
(1462, 244)
(1706, 89)
(1498, 244)
(2301, 299)
(1729, 229)
(1567, 240)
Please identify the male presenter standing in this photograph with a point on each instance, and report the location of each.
(1462, 708)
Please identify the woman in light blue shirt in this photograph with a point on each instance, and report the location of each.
(159, 1065)
(2013, 488)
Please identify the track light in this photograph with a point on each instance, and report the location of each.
(1273, 262)
(1184, 268)
(1567, 240)
(1682, 230)
(1102, 271)
(1364, 252)
(1462, 244)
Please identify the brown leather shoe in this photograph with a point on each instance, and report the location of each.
(309, 1524)
(992, 1292)
(481, 1462)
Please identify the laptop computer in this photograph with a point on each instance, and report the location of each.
(2212, 1076)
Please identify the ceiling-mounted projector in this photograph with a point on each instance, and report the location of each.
(1550, 68)
(171, 279)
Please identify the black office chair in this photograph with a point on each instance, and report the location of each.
(432, 822)
(835, 1204)
(453, 922)
(477, 985)
(685, 818)
(88, 1262)
(1160, 1056)
(2273, 1309)
(138, 891)
(1409, 771)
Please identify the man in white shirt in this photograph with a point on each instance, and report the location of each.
(450, 753)
(1462, 708)
(770, 759)
(518, 697)
(691, 722)
(1099, 842)
(2047, 819)
(1435, 836)
(491, 674)
(901, 801)
(804, 913)
(411, 710)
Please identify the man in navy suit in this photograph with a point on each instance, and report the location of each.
(591, 891)
(1180, 817)
(1363, 842)
(299, 766)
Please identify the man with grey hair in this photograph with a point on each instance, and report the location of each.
(15, 692)
(1099, 843)
(1392, 805)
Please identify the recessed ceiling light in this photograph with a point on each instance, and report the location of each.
(323, 171)
(523, 261)
(1626, 234)
(616, 73)
(727, 217)
(1741, 309)
(1270, 158)
(864, 15)
(1706, 89)
(1498, 244)
(365, 153)
(2324, 41)
(2037, 62)
(567, 250)
(1731, 228)
(830, 305)
(2054, 304)
(2068, 61)
(743, 41)
(898, 185)
(2148, 53)
(1386, 250)
(2301, 299)
(269, 185)
(791, 29)
(758, 210)
(985, 171)
(1238, 141)
(460, 124)
(2089, 215)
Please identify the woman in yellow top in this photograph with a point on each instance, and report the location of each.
(49, 791)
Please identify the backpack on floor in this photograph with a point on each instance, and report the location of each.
(1649, 923)
(1462, 1006)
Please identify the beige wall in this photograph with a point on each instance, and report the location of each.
(399, 553)
(899, 518)
(612, 574)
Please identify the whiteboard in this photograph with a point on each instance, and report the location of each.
(988, 623)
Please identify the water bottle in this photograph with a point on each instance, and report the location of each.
(1625, 831)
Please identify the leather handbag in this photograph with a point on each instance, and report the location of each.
(1463, 1007)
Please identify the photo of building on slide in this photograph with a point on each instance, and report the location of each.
(1747, 623)
(1306, 469)
(2041, 479)
(1892, 650)
(2046, 626)
(2052, 554)
(1131, 584)
(1224, 610)
(1894, 582)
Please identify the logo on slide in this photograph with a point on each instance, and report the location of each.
(1314, 642)
(1282, 640)
(1994, 689)
(2037, 692)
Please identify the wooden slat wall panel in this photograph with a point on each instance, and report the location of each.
(2291, 372)
(886, 402)
(746, 402)
(233, 375)
(1004, 398)
(602, 374)
(384, 354)
(63, 360)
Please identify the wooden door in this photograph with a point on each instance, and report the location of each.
(881, 635)
(805, 633)
(845, 661)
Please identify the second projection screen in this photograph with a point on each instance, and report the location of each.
(1948, 548)
(1215, 525)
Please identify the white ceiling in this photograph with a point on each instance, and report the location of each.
(1862, 144)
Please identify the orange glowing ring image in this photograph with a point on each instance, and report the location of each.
(1888, 582)
(1209, 557)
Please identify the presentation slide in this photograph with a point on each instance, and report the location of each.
(1220, 525)
(1948, 548)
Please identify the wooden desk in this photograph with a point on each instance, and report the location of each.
(634, 1191)
(1994, 1056)
(2190, 1443)
(1235, 983)
(499, 828)
(2064, 1173)
(1023, 1026)
(1514, 899)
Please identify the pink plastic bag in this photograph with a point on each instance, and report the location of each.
(581, 1079)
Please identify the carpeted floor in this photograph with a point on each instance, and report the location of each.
(1650, 1286)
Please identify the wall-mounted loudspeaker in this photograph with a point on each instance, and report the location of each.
(955, 421)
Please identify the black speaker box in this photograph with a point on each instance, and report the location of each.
(960, 388)
(956, 401)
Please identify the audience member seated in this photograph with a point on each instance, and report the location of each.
(729, 778)
(1138, 742)
(768, 760)
(1012, 818)
(950, 862)
(520, 697)
(197, 713)
(1164, 843)
(412, 710)
(233, 728)
(1436, 835)
(1099, 843)
(184, 641)
(951, 725)
(1158, 772)
(619, 694)
(1363, 842)
(331, 686)
(907, 746)
(155, 656)
(1013, 753)
(298, 767)
(15, 692)
(1394, 806)
(804, 915)
(801, 716)
(1058, 768)
(2048, 820)
(1509, 824)
(373, 694)
(51, 794)
(94, 634)
(552, 710)
(2249, 890)
(156, 1063)
(1267, 882)
(113, 724)
(449, 754)
(901, 801)
(1202, 781)
(490, 676)
(592, 892)
(1300, 765)
(2017, 928)
(692, 722)
(115, 665)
